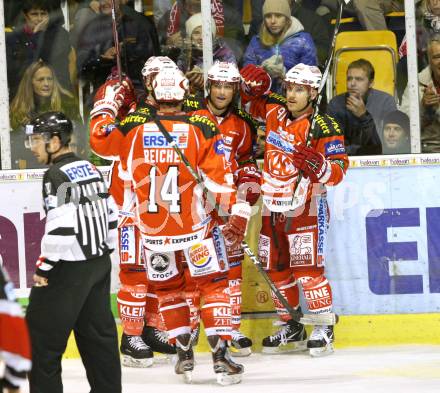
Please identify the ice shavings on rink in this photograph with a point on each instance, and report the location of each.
(411, 368)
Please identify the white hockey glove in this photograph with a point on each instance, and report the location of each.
(108, 99)
(235, 229)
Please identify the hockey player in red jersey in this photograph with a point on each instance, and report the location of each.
(219, 106)
(136, 301)
(15, 348)
(297, 169)
(174, 225)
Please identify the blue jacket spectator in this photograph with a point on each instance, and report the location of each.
(281, 44)
(318, 27)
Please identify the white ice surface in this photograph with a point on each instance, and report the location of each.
(414, 369)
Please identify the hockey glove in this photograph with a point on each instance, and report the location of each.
(312, 163)
(255, 81)
(235, 229)
(113, 98)
(248, 184)
(130, 94)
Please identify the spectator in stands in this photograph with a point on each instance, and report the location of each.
(13, 12)
(40, 37)
(317, 26)
(190, 60)
(229, 25)
(39, 91)
(361, 110)
(429, 97)
(371, 13)
(160, 8)
(428, 23)
(96, 51)
(86, 12)
(329, 8)
(281, 43)
(395, 134)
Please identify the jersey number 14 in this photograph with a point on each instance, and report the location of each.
(169, 192)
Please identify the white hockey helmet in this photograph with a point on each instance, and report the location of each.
(170, 85)
(157, 63)
(222, 71)
(303, 74)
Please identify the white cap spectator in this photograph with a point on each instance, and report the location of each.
(195, 21)
(277, 7)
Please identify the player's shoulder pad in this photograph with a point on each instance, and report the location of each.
(193, 103)
(274, 98)
(326, 126)
(207, 126)
(246, 117)
(143, 114)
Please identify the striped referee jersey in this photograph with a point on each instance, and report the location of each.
(81, 216)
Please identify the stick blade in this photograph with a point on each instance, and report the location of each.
(319, 319)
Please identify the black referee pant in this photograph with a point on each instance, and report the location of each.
(77, 298)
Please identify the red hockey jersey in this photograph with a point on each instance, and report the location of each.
(282, 134)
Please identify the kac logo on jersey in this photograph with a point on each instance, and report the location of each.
(159, 262)
(199, 255)
(157, 139)
(334, 147)
(280, 165)
(219, 147)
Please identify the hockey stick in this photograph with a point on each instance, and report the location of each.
(298, 316)
(319, 98)
(116, 42)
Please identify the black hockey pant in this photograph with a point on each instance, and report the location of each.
(77, 298)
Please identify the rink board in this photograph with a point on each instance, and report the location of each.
(383, 254)
(351, 331)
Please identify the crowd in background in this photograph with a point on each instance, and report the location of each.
(55, 66)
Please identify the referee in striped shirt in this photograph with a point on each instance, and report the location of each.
(71, 289)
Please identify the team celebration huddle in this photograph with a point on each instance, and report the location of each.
(183, 187)
(184, 180)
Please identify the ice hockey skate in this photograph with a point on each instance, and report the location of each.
(228, 372)
(135, 353)
(185, 357)
(292, 337)
(157, 340)
(240, 344)
(321, 341)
